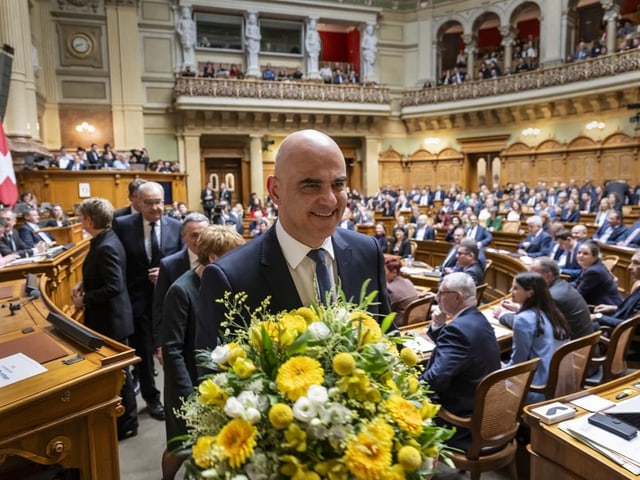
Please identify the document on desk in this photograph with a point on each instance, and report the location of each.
(419, 343)
(625, 453)
(18, 367)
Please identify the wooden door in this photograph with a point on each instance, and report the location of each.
(227, 171)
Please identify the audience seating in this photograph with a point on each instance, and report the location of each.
(511, 226)
(418, 311)
(610, 261)
(498, 404)
(480, 292)
(568, 367)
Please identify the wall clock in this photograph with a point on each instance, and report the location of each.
(80, 45)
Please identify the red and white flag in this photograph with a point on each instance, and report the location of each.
(8, 184)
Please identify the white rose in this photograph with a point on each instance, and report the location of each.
(318, 395)
(319, 331)
(220, 354)
(248, 399)
(233, 408)
(251, 415)
(303, 410)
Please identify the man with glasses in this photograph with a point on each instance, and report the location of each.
(466, 350)
(467, 261)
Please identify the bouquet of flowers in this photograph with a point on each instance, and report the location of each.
(313, 393)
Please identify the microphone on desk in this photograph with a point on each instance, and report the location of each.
(15, 306)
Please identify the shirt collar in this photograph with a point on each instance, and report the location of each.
(294, 251)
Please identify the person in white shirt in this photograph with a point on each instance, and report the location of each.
(64, 158)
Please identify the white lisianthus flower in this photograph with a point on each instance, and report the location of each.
(221, 354)
(251, 415)
(303, 410)
(239, 477)
(234, 408)
(319, 331)
(343, 315)
(318, 395)
(248, 399)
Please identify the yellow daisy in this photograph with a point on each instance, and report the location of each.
(369, 330)
(201, 451)
(237, 440)
(405, 414)
(297, 374)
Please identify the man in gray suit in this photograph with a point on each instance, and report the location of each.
(309, 186)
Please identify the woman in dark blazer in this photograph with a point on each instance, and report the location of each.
(400, 244)
(177, 337)
(102, 294)
(58, 218)
(596, 283)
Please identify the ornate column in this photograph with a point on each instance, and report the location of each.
(255, 167)
(470, 43)
(312, 47)
(189, 157)
(508, 40)
(370, 181)
(611, 15)
(124, 65)
(21, 117)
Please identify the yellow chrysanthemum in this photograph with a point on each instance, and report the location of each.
(297, 374)
(429, 410)
(409, 458)
(369, 455)
(244, 367)
(291, 321)
(280, 415)
(201, 451)
(405, 414)
(308, 314)
(395, 472)
(344, 364)
(369, 330)
(408, 357)
(211, 393)
(237, 439)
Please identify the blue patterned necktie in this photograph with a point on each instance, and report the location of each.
(322, 273)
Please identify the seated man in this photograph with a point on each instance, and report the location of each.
(478, 233)
(466, 350)
(633, 236)
(612, 230)
(467, 256)
(567, 254)
(30, 232)
(268, 73)
(612, 315)
(450, 261)
(537, 243)
(423, 230)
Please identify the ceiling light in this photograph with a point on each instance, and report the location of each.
(85, 127)
(531, 132)
(593, 125)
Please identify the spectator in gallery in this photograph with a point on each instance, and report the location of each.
(187, 72)
(268, 73)
(234, 71)
(64, 159)
(76, 164)
(380, 234)
(209, 70)
(121, 162)
(108, 156)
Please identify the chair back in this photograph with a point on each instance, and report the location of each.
(498, 406)
(417, 311)
(610, 261)
(414, 247)
(480, 291)
(511, 226)
(488, 265)
(568, 367)
(615, 364)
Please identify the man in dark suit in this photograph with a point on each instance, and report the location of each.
(612, 315)
(567, 254)
(478, 233)
(11, 241)
(174, 265)
(225, 194)
(466, 350)
(94, 159)
(147, 237)
(633, 236)
(467, 261)
(102, 294)
(30, 231)
(537, 243)
(423, 230)
(311, 197)
(612, 231)
(134, 202)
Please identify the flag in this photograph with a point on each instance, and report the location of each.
(8, 184)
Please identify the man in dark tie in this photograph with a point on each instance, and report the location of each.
(30, 231)
(146, 237)
(612, 231)
(612, 315)
(311, 197)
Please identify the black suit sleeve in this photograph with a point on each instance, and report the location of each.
(112, 275)
(159, 292)
(448, 359)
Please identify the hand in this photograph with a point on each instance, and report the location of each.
(78, 300)
(159, 356)
(40, 247)
(78, 288)
(510, 305)
(603, 308)
(153, 274)
(438, 317)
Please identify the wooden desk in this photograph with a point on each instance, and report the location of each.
(557, 455)
(67, 415)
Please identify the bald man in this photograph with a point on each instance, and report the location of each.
(309, 186)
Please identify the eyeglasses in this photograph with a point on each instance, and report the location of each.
(443, 292)
(462, 253)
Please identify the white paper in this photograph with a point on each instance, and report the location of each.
(420, 344)
(17, 367)
(592, 403)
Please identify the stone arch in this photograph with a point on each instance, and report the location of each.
(446, 50)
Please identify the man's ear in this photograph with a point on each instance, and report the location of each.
(272, 188)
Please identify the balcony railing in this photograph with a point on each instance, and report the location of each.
(291, 91)
(579, 71)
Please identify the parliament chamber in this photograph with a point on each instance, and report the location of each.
(113, 72)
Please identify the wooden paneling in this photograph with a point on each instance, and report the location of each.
(62, 186)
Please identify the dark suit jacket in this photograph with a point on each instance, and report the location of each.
(571, 217)
(122, 212)
(483, 235)
(108, 310)
(177, 339)
(571, 266)
(404, 249)
(29, 236)
(475, 271)
(540, 246)
(171, 268)
(627, 309)
(131, 234)
(596, 285)
(260, 269)
(618, 234)
(466, 351)
(94, 159)
(573, 307)
(429, 234)
(21, 249)
(70, 166)
(633, 236)
(52, 223)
